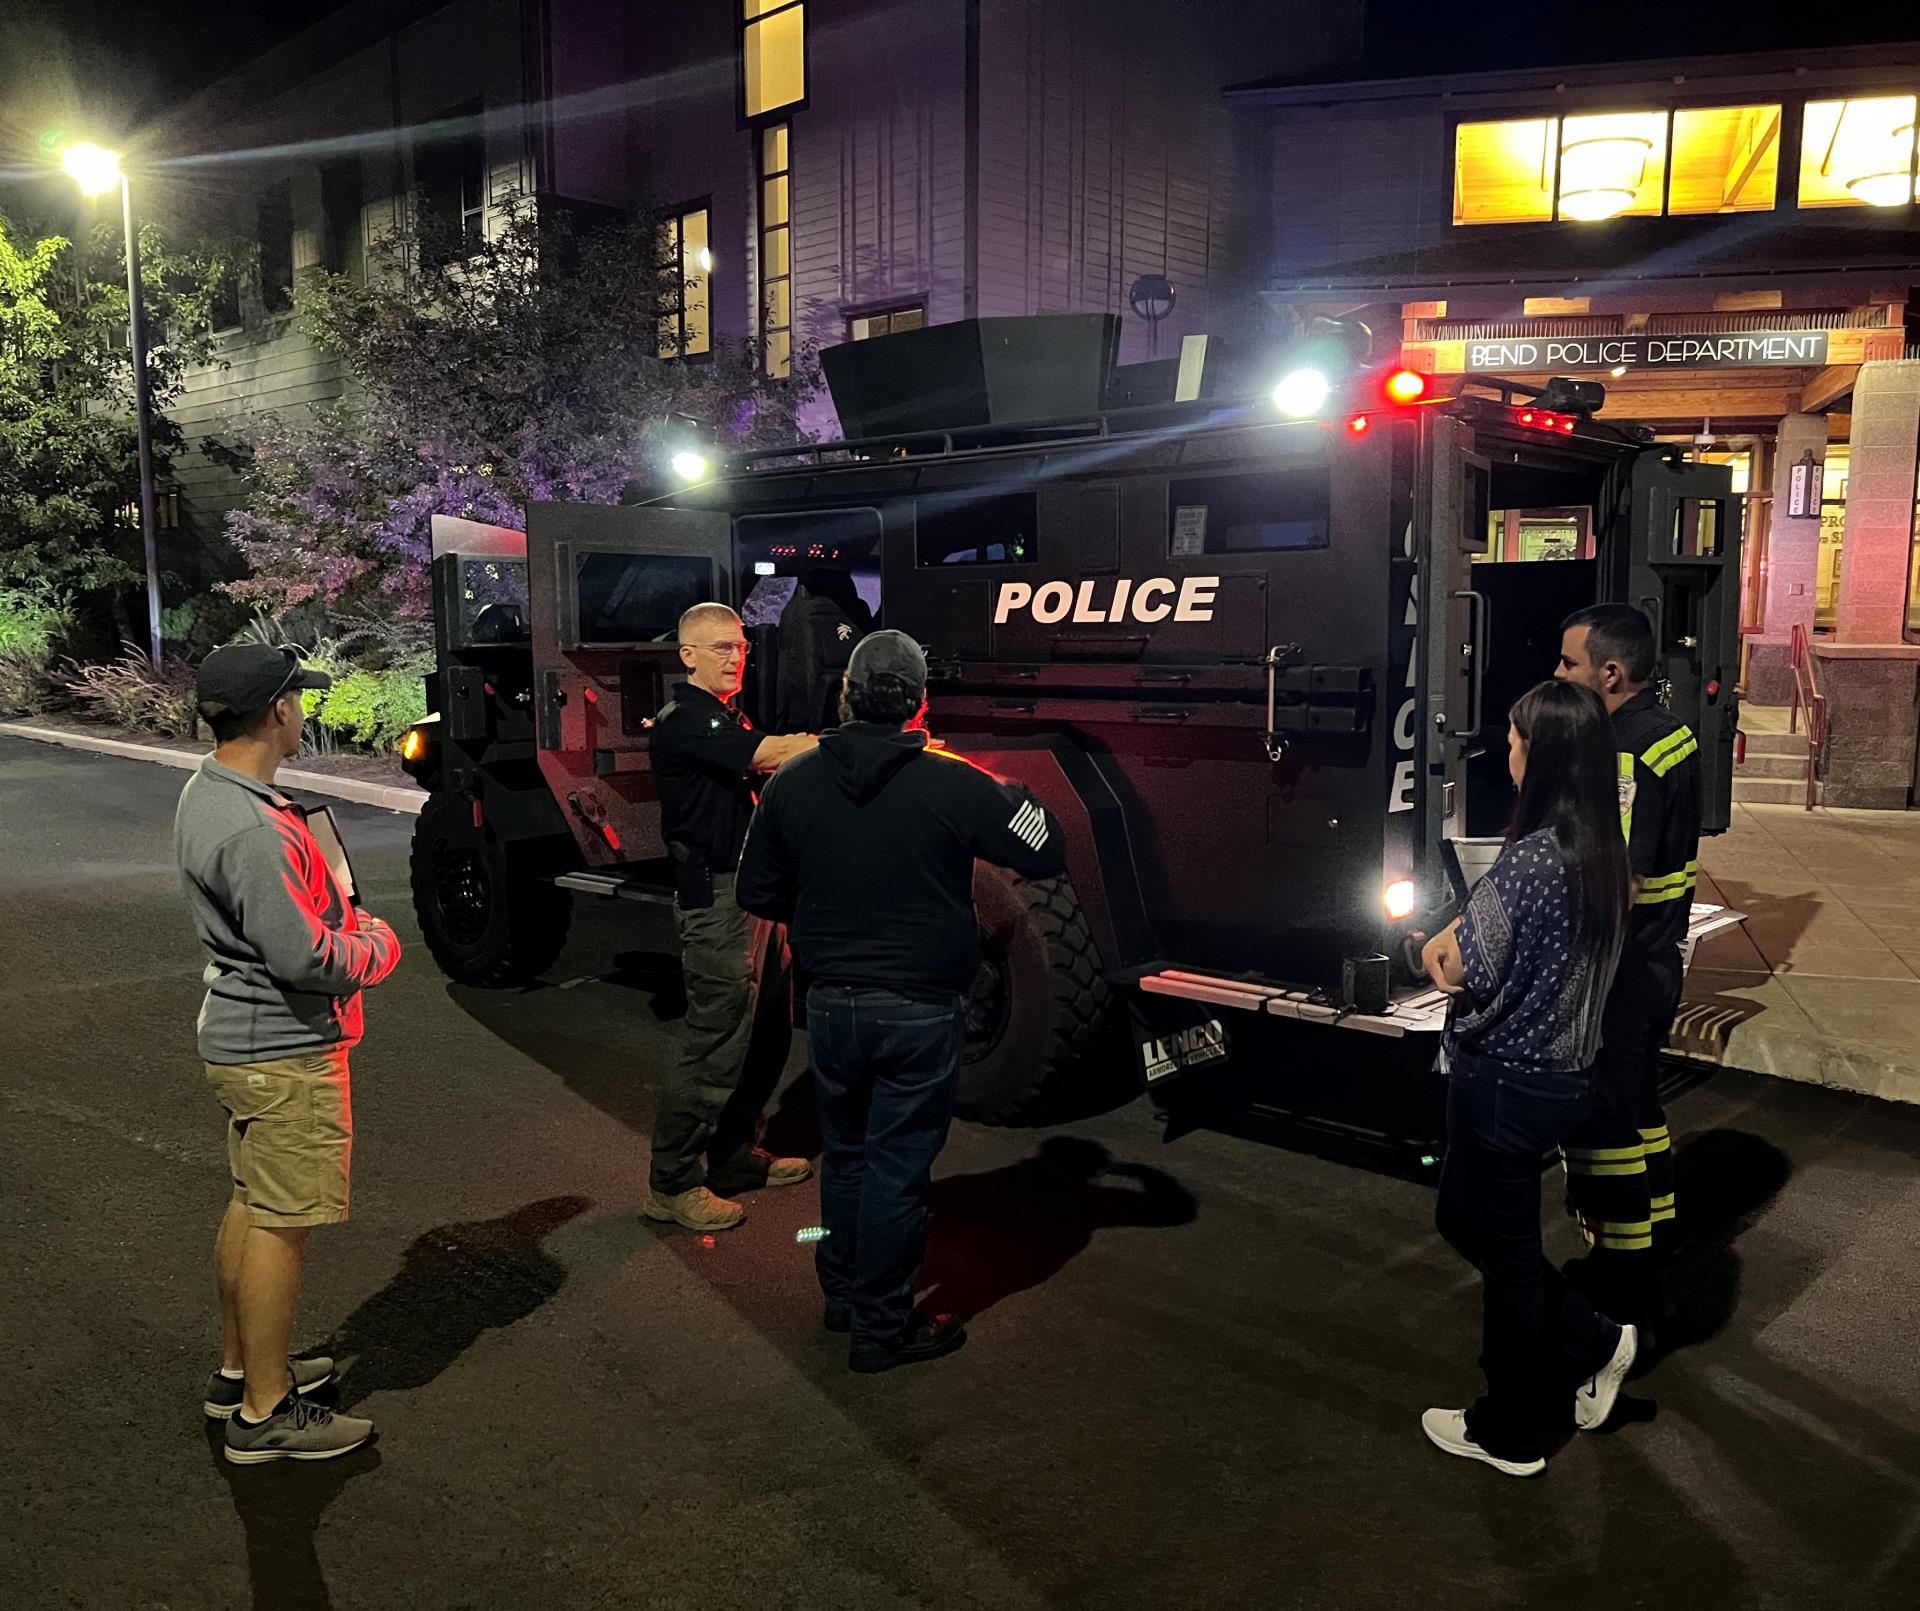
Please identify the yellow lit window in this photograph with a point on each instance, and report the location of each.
(1503, 173)
(686, 272)
(1613, 165)
(775, 150)
(1857, 153)
(774, 55)
(866, 327)
(1726, 159)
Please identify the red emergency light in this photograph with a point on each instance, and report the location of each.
(1406, 386)
(1357, 426)
(1541, 419)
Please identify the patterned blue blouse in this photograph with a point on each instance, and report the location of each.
(1533, 1001)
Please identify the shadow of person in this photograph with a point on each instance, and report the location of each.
(279, 1507)
(1004, 1230)
(456, 1282)
(1723, 1180)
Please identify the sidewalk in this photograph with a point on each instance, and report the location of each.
(1823, 982)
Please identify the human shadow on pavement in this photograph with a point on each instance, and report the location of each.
(1723, 1180)
(1003, 1231)
(456, 1282)
(279, 1507)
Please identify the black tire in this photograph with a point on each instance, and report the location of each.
(1040, 1001)
(489, 913)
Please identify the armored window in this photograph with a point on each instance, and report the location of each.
(970, 526)
(1248, 514)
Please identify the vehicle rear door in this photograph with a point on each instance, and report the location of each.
(1681, 566)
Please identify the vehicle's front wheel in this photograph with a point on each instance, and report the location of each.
(1039, 1000)
(490, 913)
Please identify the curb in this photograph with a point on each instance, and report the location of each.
(408, 800)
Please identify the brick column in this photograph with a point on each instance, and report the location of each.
(1793, 554)
(1880, 487)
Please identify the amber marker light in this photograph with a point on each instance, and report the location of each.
(1398, 898)
(413, 744)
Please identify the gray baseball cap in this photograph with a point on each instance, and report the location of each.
(246, 677)
(888, 654)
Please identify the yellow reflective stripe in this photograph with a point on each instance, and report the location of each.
(1659, 1132)
(1579, 1166)
(1686, 875)
(1603, 1154)
(1622, 1244)
(1662, 1145)
(1626, 793)
(1653, 897)
(1670, 754)
(1663, 1207)
(1627, 1227)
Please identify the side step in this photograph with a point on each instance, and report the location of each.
(623, 885)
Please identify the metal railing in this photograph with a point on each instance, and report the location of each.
(1806, 691)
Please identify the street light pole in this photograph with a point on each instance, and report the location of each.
(143, 418)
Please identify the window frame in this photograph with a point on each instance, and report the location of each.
(1858, 93)
(742, 25)
(764, 328)
(274, 203)
(1786, 170)
(885, 310)
(470, 237)
(676, 217)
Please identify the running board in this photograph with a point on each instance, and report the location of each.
(626, 888)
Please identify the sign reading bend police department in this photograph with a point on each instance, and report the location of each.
(1550, 355)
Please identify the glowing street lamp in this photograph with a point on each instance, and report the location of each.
(96, 171)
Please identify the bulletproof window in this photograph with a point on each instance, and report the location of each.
(637, 598)
(1249, 514)
(968, 526)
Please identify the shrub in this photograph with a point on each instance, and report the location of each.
(196, 625)
(32, 621)
(28, 684)
(132, 692)
(374, 708)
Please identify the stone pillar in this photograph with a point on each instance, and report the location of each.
(1793, 556)
(1871, 679)
(1880, 490)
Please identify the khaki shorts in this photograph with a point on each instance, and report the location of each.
(289, 1136)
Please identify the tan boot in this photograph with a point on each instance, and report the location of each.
(760, 1168)
(696, 1208)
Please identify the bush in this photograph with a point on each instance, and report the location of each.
(32, 621)
(132, 692)
(373, 708)
(196, 625)
(28, 684)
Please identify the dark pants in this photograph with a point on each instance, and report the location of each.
(1540, 1337)
(884, 1066)
(1620, 1157)
(737, 1033)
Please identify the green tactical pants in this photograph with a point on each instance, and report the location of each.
(738, 1027)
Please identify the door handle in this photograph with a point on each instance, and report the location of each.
(1476, 649)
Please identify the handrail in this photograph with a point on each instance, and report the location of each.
(1806, 690)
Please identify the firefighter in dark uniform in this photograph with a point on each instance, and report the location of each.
(1620, 1160)
(706, 1125)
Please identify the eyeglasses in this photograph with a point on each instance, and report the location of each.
(727, 651)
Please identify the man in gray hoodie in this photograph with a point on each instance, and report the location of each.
(288, 955)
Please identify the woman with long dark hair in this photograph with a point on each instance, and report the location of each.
(1528, 963)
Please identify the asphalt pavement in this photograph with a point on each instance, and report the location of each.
(1194, 1380)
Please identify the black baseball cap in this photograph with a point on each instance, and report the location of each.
(888, 654)
(246, 677)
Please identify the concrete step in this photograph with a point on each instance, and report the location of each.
(1776, 744)
(1772, 766)
(1769, 791)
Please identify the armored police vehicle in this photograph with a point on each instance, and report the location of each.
(1254, 651)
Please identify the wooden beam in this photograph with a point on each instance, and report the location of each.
(1828, 387)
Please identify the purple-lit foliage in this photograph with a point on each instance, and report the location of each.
(484, 375)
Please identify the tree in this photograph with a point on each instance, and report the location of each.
(485, 375)
(69, 467)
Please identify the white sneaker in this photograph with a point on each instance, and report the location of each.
(1447, 1429)
(1593, 1402)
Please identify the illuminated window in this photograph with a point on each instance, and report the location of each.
(1613, 165)
(1833, 525)
(1726, 159)
(776, 248)
(773, 54)
(869, 325)
(1503, 173)
(686, 270)
(1857, 153)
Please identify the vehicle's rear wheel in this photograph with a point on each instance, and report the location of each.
(1039, 1001)
(490, 914)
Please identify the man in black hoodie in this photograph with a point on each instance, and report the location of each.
(865, 847)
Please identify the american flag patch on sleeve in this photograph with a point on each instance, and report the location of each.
(1029, 825)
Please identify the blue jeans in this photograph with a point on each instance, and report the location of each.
(884, 1068)
(1540, 1337)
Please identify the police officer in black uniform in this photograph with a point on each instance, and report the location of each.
(707, 1117)
(1620, 1160)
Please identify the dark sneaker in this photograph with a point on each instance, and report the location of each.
(1593, 1402)
(928, 1337)
(298, 1429)
(759, 1168)
(224, 1393)
(1447, 1429)
(837, 1318)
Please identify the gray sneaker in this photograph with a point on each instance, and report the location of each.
(224, 1393)
(298, 1429)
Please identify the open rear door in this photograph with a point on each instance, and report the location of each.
(1681, 565)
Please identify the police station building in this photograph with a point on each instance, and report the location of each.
(1729, 245)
